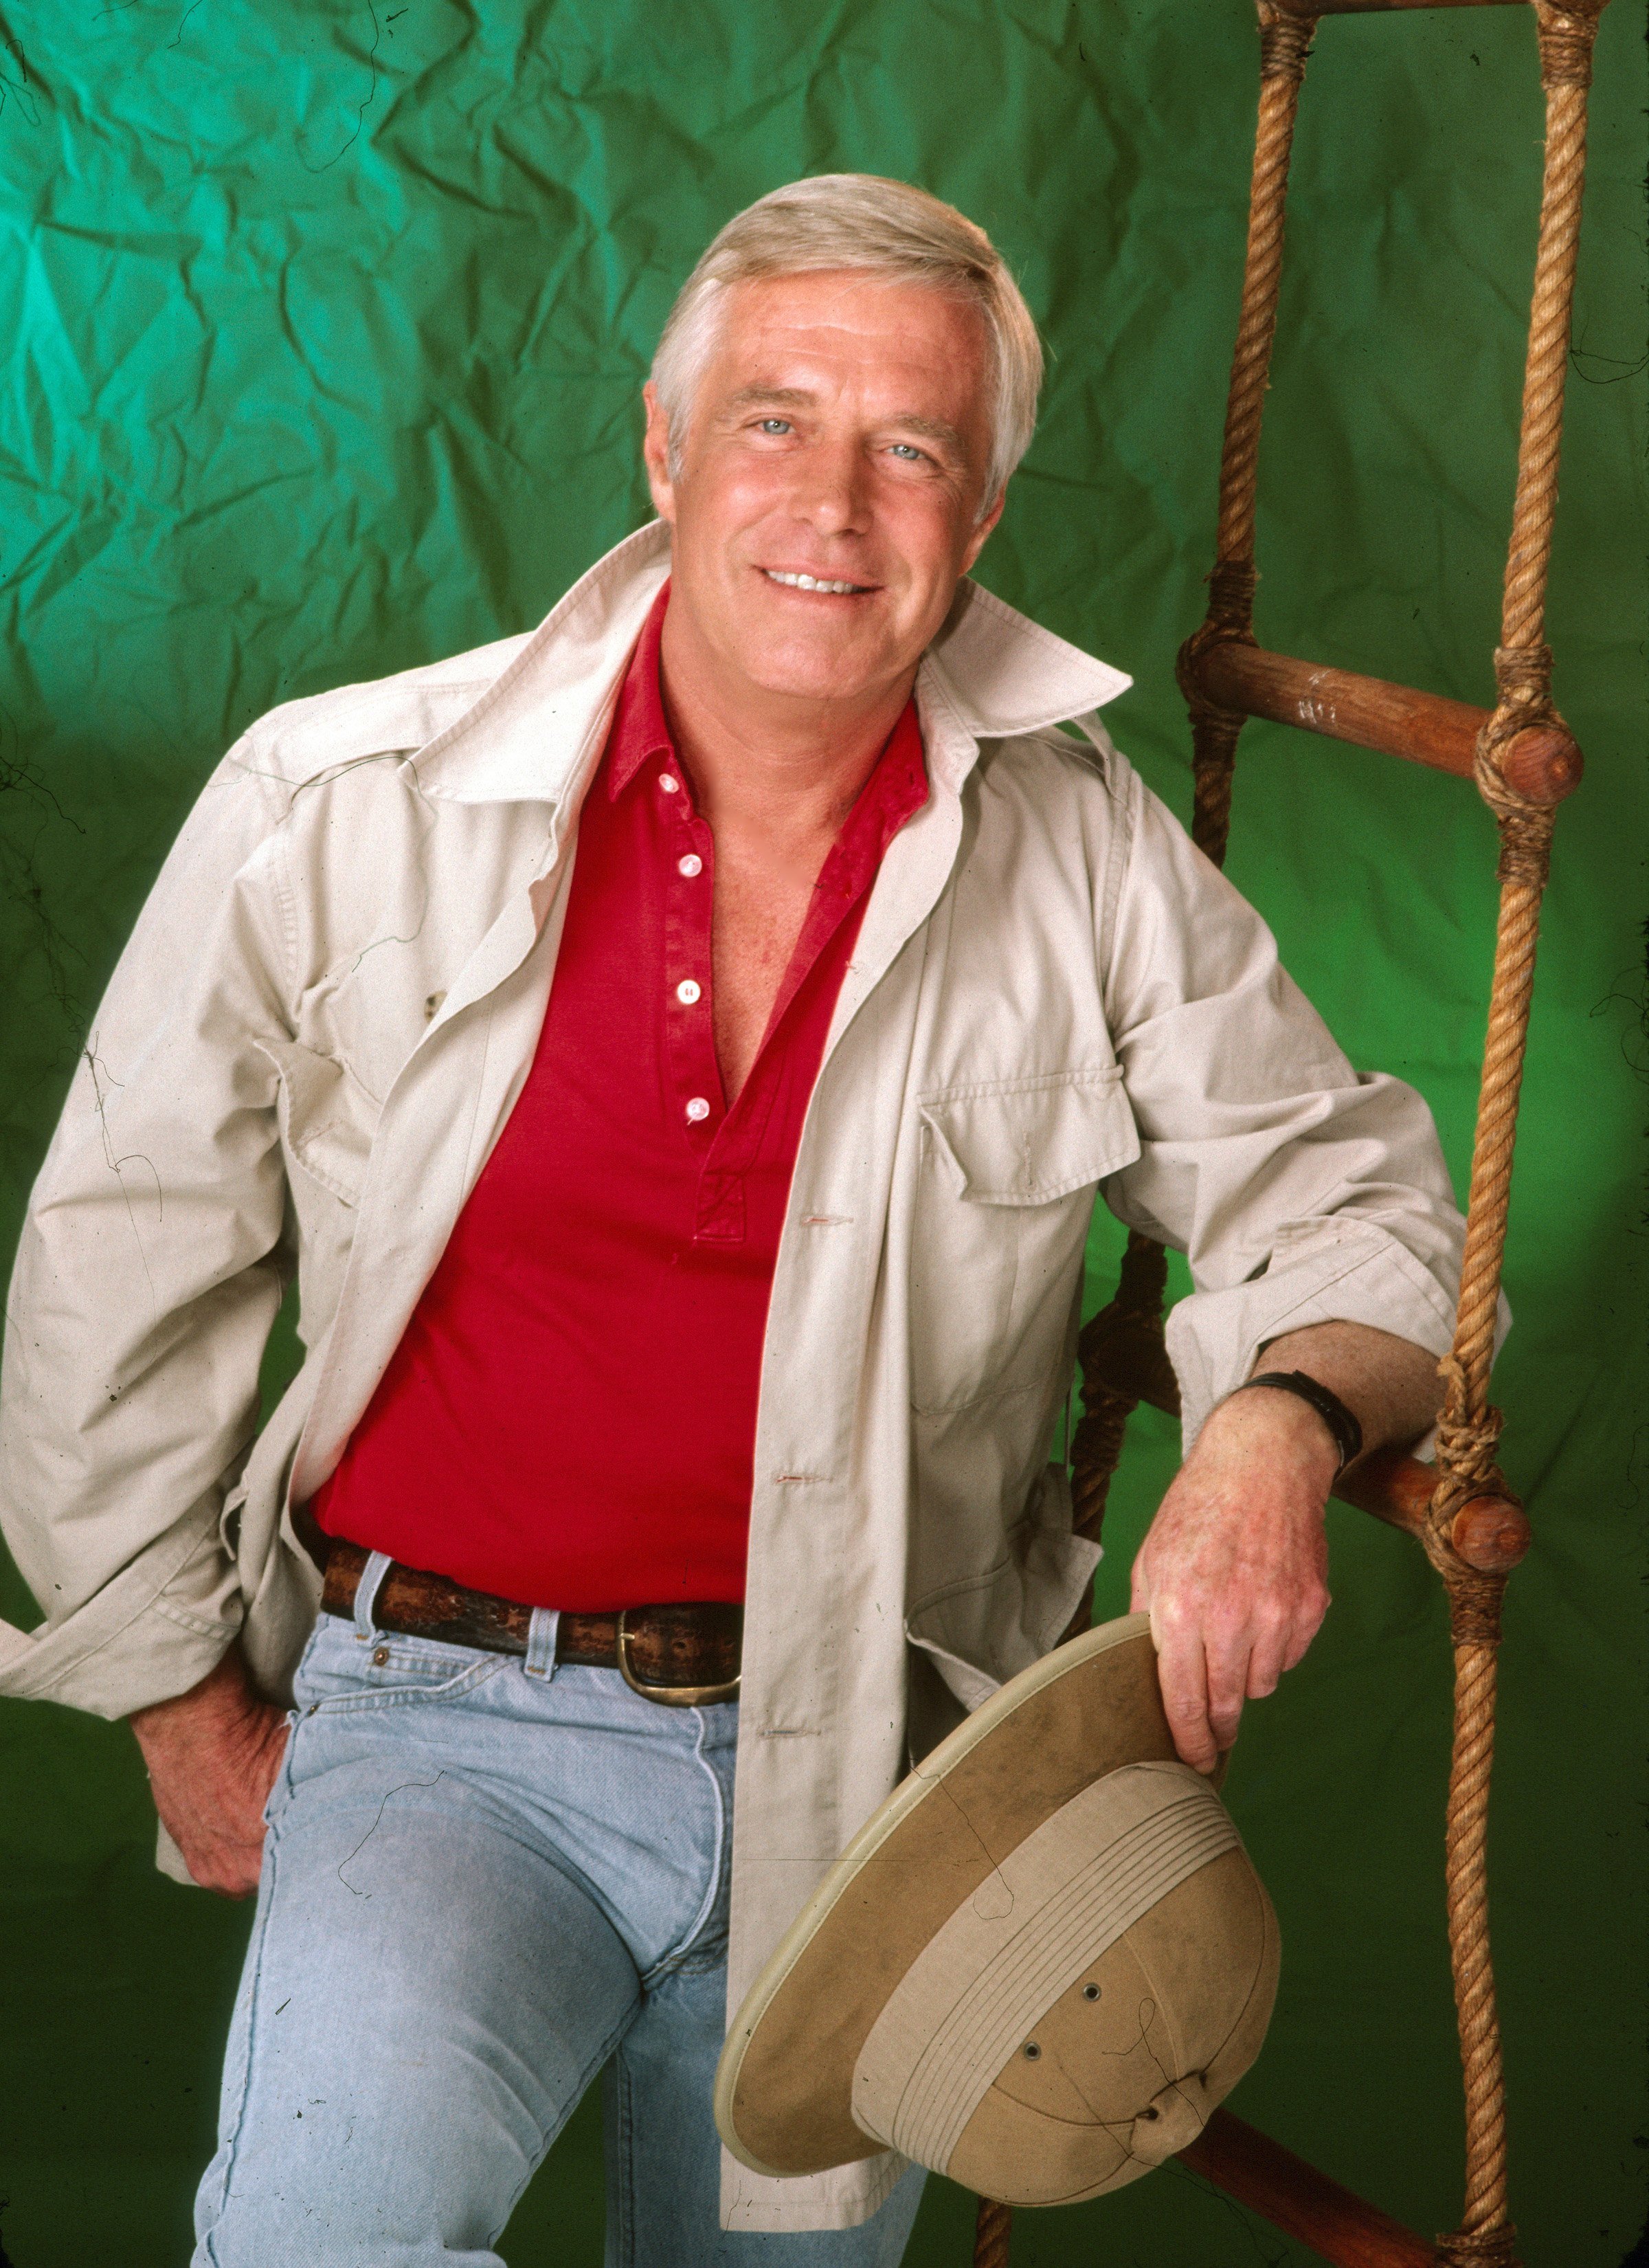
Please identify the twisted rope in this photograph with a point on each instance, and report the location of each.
(1118, 1349)
(1470, 1429)
(990, 2234)
(1129, 1332)
(1284, 43)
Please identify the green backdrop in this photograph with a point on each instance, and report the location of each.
(325, 322)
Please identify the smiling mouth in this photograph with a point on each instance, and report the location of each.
(800, 582)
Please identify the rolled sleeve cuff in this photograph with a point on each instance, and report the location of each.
(153, 1631)
(1354, 1273)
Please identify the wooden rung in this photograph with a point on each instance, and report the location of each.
(1542, 763)
(1490, 1531)
(1385, 7)
(1304, 2203)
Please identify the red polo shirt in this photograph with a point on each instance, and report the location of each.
(570, 1417)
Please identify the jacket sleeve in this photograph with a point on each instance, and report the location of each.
(1299, 1190)
(148, 1275)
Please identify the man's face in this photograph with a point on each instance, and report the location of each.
(840, 433)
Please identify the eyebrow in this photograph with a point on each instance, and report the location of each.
(794, 397)
(798, 397)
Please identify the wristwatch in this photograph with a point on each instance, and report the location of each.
(1348, 1435)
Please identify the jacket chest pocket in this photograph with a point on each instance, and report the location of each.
(327, 1117)
(1007, 1180)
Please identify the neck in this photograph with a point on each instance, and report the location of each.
(787, 763)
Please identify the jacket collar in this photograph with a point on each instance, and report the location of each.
(532, 734)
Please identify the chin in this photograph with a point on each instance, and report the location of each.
(830, 662)
(814, 676)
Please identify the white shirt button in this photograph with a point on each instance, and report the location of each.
(686, 992)
(669, 783)
(697, 1109)
(690, 865)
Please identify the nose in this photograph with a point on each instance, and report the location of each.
(832, 488)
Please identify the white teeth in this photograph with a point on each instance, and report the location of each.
(811, 583)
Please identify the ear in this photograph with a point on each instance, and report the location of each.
(655, 450)
(976, 541)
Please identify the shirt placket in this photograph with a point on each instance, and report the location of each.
(699, 1101)
(729, 1141)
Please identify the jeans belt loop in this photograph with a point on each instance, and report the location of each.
(541, 1633)
(378, 1565)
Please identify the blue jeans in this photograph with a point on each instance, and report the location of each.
(485, 1879)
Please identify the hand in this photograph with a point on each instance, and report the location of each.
(212, 1755)
(1234, 1570)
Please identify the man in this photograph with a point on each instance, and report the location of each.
(678, 1051)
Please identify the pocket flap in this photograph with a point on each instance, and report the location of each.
(327, 1117)
(1025, 1141)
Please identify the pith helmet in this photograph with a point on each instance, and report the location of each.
(1036, 1968)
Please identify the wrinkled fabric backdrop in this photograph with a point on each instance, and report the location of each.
(325, 327)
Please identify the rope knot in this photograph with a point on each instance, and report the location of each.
(1230, 617)
(1567, 34)
(1523, 673)
(1485, 2248)
(1467, 1439)
(1525, 848)
(1474, 1605)
(1523, 681)
(1285, 41)
(1214, 729)
(1230, 589)
(1466, 1450)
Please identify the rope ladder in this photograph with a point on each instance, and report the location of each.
(1523, 761)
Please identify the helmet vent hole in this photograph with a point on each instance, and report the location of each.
(1090, 1992)
(1031, 2051)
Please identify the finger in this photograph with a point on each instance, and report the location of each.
(1181, 1671)
(1266, 1665)
(230, 1866)
(1139, 1586)
(1227, 1686)
(1308, 1622)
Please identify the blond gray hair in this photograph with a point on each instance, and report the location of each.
(879, 227)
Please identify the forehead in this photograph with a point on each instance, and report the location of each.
(841, 329)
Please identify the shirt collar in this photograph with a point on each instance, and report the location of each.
(640, 727)
(894, 791)
(531, 733)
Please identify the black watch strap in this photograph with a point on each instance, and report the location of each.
(1348, 1435)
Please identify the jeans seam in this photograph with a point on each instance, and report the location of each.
(547, 2141)
(697, 1948)
(232, 2129)
(670, 1963)
(624, 2143)
(400, 1697)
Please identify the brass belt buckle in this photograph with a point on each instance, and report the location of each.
(668, 1697)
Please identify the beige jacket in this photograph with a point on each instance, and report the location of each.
(323, 1018)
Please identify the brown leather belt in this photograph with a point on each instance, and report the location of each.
(680, 1655)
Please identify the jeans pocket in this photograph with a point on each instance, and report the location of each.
(340, 1672)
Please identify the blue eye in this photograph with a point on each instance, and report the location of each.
(775, 425)
(906, 449)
